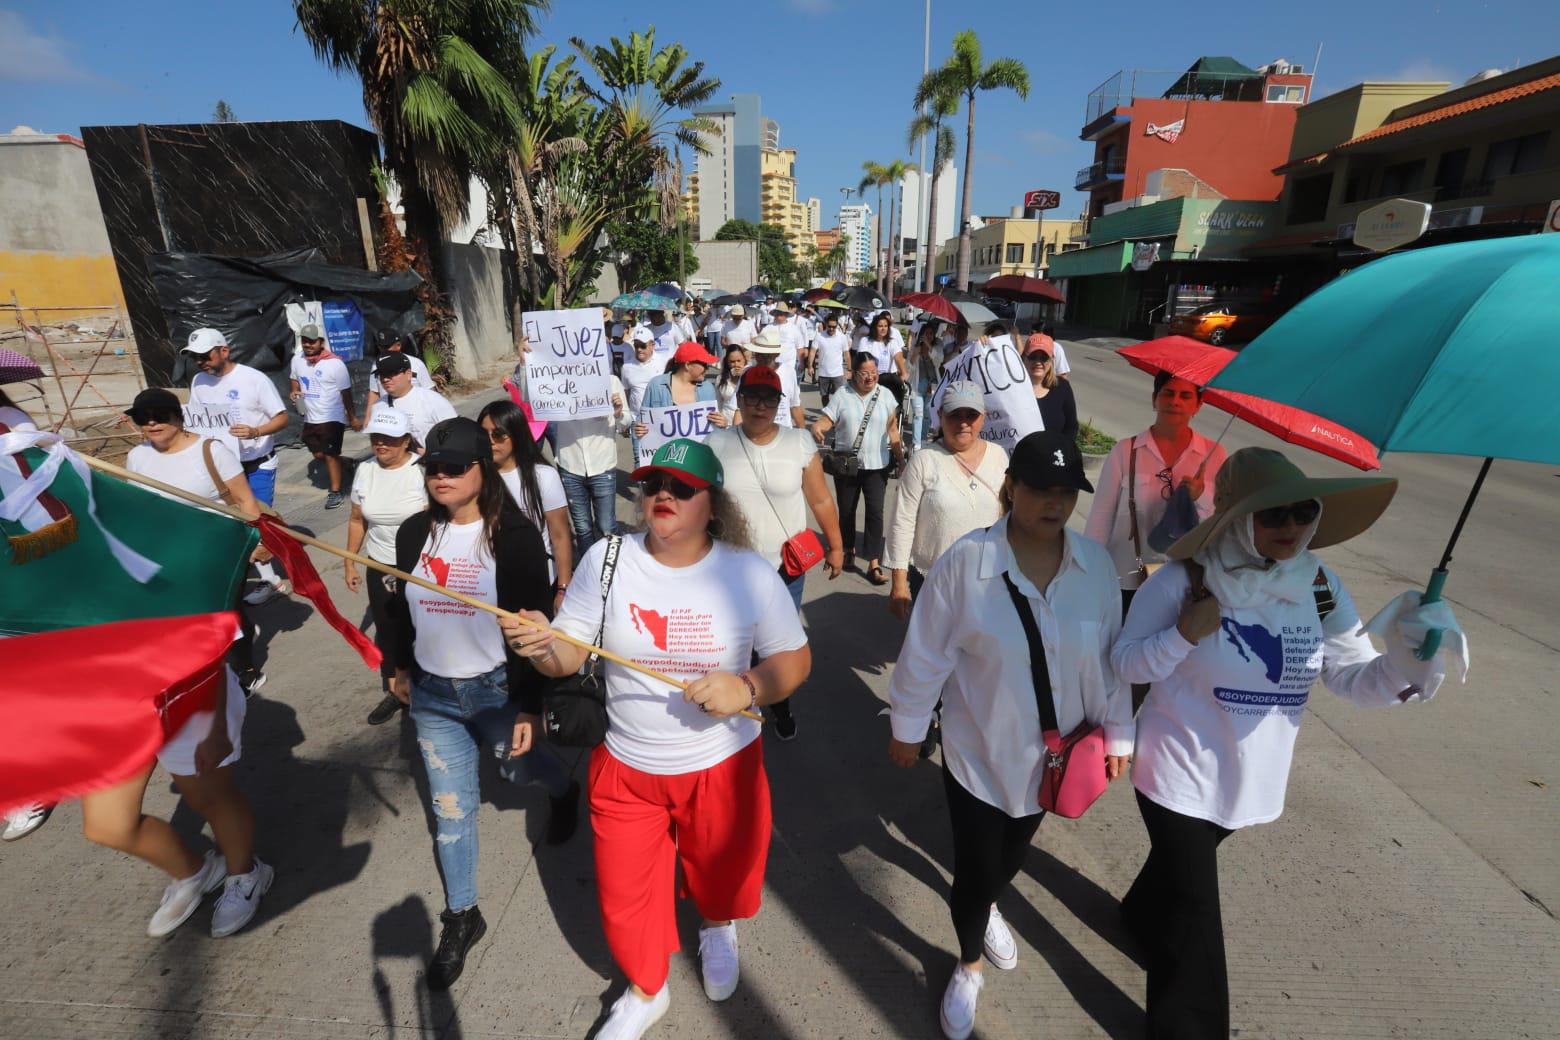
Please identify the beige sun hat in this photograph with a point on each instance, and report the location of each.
(1260, 478)
(767, 342)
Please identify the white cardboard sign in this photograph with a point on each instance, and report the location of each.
(1012, 413)
(211, 420)
(569, 367)
(668, 424)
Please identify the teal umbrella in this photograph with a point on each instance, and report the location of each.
(1447, 350)
(644, 300)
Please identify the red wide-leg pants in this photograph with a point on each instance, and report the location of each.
(715, 822)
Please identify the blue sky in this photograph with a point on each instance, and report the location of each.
(836, 74)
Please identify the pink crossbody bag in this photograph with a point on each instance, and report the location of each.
(1074, 773)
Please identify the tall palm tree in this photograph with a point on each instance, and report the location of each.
(934, 121)
(875, 174)
(894, 172)
(965, 75)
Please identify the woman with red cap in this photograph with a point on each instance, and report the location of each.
(680, 778)
(682, 383)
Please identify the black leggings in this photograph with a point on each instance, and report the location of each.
(1173, 909)
(989, 847)
(379, 608)
(873, 484)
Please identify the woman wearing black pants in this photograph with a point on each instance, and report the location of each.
(1233, 637)
(966, 642)
(863, 418)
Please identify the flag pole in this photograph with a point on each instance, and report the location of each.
(238, 514)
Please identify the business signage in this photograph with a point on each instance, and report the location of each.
(1393, 223)
(1168, 133)
(1042, 198)
(1144, 254)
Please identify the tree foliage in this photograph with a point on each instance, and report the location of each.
(646, 253)
(223, 113)
(776, 267)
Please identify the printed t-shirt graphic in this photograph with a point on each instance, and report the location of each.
(452, 640)
(1279, 667)
(646, 620)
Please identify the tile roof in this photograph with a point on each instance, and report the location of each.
(1437, 115)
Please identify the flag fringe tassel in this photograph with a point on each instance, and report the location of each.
(37, 544)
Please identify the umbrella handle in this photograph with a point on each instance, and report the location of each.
(1432, 594)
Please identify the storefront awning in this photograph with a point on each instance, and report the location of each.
(1107, 259)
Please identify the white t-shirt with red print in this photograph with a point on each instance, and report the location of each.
(684, 622)
(455, 640)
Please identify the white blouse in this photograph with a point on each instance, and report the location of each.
(938, 501)
(966, 644)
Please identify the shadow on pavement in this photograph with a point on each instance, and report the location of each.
(405, 931)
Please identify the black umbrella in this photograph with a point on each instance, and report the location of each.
(676, 292)
(862, 298)
(760, 292)
(732, 299)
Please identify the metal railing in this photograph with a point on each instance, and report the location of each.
(1099, 173)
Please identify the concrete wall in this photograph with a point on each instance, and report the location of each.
(474, 278)
(732, 266)
(54, 249)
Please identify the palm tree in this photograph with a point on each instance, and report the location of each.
(894, 172)
(934, 121)
(964, 75)
(834, 260)
(875, 174)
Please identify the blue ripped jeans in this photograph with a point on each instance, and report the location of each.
(457, 720)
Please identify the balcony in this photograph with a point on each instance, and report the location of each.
(1100, 173)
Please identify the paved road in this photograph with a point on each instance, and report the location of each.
(1382, 904)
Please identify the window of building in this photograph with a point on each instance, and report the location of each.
(1402, 177)
(1516, 155)
(1357, 187)
(1286, 95)
(1451, 172)
(1034, 253)
(1308, 199)
(1015, 252)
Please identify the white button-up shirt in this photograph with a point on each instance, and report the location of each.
(966, 644)
(585, 446)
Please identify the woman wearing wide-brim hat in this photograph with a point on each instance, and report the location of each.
(1232, 636)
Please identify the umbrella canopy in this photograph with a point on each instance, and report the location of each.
(814, 295)
(933, 304)
(644, 300)
(1446, 350)
(17, 368)
(973, 312)
(731, 299)
(712, 295)
(861, 298)
(833, 305)
(1198, 362)
(1020, 288)
(760, 292)
(671, 289)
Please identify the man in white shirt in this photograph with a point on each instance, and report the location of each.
(644, 366)
(793, 341)
(668, 337)
(736, 330)
(587, 463)
(831, 357)
(420, 374)
(320, 379)
(766, 348)
(424, 407)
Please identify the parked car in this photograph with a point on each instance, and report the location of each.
(1003, 309)
(1223, 323)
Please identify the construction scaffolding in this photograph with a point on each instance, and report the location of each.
(91, 368)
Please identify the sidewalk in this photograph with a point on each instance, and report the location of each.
(1357, 915)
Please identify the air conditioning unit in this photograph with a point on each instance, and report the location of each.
(1281, 67)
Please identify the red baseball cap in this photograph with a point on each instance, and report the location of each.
(691, 351)
(761, 377)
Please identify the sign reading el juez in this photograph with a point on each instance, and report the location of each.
(569, 368)
(1393, 223)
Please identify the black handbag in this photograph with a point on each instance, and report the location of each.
(848, 463)
(574, 708)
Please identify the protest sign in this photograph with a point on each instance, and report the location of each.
(569, 367)
(1012, 413)
(211, 420)
(668, 424)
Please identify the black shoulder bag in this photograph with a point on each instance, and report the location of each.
(574, 708)
(848, 463)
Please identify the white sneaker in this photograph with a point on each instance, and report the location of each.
(23, 820)
(181, 898)
(718, 960)
(1001, 950)
(240, 899)
(631, 1016)
(267, 592)
(958, 1003)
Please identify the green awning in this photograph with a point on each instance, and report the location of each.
(1106, 259)
(1211, 76)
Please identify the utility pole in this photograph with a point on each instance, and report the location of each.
(925, 246)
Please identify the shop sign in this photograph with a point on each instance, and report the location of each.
(1232, 220)
(1144, 254)
(1393, 223)
(1042, 198)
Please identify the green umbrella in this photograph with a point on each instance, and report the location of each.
(831, 305)
(1446, 350)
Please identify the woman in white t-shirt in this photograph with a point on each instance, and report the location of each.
(201, 755)
(773, 476)
(731, 368)
(534, 485)
(1232, 637)
(681, 775)
(384, 493)
(866, 409)
(466, 692)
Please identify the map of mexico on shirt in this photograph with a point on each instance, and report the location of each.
(1280, 666)
(452, 640)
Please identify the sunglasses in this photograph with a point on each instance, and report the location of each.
(655, 483)
(1037, 358)
(751, 400)
(162, 416)
(446, 469)
(1303, 514)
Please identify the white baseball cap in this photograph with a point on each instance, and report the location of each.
(204, 341)
(641, 335)
(388, 422)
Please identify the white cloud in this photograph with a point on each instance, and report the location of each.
(27, 56)
(1043, 142)
(1425, 70)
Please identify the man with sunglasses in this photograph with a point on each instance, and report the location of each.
(321, 382)
(829, 356)
(767, 349)
(424, 408)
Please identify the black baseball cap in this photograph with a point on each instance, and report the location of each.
(392, 364)
(1048, 459)
(154, 399)
(459, 440)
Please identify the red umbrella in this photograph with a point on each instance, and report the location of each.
(1197, 362)
(1021, 287)
(814, 295)
(933, 304)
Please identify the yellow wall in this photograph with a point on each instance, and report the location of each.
(988, 245)
(57, 280)
(1345, 115)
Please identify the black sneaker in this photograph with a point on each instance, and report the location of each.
(334, 500)
(384, 711)
(251, 679)
(785, 726)
(565, 816)
(460, 933)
